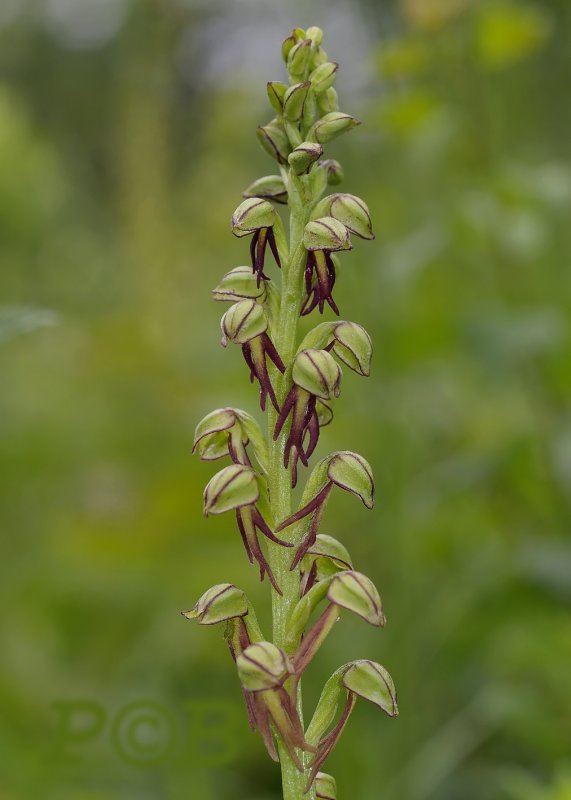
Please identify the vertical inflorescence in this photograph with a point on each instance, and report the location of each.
(311, 574)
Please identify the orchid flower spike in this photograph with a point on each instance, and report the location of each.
(311, 575)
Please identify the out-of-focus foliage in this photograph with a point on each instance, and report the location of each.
(124, 146)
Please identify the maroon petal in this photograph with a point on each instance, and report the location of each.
(311, 534)
(327, 745)
(244, 536)
(237, 636)
(313, 640)
(246, 350)
(264, 528)
(262, 722)
(285, 409)
(313, 504)
(286, 720)
(312, 428)
(272, 353)
(274, 247)
(308, 580)
(254, 354)
(247, 525)
(294, 460)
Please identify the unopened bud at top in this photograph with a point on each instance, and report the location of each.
(372, 682)
(323, 76)
(243, 321)
(298, 57)
(233, 487)
(325, 786)
(270, 187)
(315, 34)
(295, 36)
(263, 666)
(219, 604)
(318, 57)
(251, 215)
(294, 100)
(332, 125)
(326, 233)
(352, 472)
(276, 91)
(328, 101)
(355, 592)
(318, 373)
(239, 284)
(304, 155)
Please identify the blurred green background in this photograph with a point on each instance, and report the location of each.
(126, 138)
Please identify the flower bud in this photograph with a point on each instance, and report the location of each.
(298, 57)
(318, 373)
(251, 215)
(325, 787)
(352, 472)
(328, 101)
(353, 345)
(332, 125)
(355, 592)
(210, 436)
(304, 156)
(233, 487)
(271, 187)
(227, 431)
(239, 284)
(294, 100)
(219, 604)
(372, 682)
(323, 76)
(315, 34)
(318, 58)
(326, 233)
(290, 41)
(263, 666)
(274, 140)
(276, 91)
(353, 213)
(242, 322)
(335, 173)
(323, 559)
(326, 548)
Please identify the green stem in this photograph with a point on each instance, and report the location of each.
(284, 334)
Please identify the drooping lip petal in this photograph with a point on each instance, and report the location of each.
(319, 282)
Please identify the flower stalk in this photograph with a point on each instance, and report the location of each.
(311, 574)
